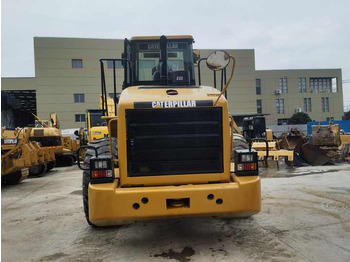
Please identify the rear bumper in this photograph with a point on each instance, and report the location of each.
(110, 205)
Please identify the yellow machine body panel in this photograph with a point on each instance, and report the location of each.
(8, 139)
(345, 139)
(98, 132)
(158, 98)
(109, 204)
(69, 144)
(269, 135)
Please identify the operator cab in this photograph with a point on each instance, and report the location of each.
(95, 118)
(160, 61)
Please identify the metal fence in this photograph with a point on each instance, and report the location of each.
(278, 130)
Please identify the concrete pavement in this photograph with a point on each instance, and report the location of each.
(305, 217)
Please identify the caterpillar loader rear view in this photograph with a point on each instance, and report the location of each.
(168, 150)
(48, 134)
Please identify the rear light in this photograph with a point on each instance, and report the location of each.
(101, 173)
(246, 162)
(101, 168)
(246, 167)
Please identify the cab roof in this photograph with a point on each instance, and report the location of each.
(137, 38)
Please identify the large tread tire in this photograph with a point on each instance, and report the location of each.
(69, 160)
(238, 143)
(64, 160)
(12, 179)
(38, 171)
(102, 146)
(51, 165)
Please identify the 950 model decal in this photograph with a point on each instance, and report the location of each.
(173, 104)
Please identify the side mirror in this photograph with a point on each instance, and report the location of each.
(76, 132)
(218, 60)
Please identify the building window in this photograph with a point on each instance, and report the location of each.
(118, 64)
(258, 106)
(79, 117)
(334, 85)
(307, 104)
(323, 85)
(302, 84)
(79, 98)
(258, 86)
(325, 104)
(331, 118)
(283, 86)
(280, 106)
(282, 121)
(77, 63)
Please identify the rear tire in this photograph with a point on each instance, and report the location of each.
(51, 165)
(238, 143)
(12, 179)
(102, 146)
(64, 160)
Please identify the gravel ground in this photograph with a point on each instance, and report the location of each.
(305, 217)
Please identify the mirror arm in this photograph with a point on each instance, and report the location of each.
(163, 55)
(228, 82)
(214, 79)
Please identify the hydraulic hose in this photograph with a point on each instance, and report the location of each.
(228, 82)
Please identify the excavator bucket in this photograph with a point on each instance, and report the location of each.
(314, 155)
(292, 139)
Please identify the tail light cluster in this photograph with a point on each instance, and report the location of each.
(246, 162)
(101, 168)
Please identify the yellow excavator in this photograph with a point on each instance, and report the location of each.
(96, 126)
(168, 150)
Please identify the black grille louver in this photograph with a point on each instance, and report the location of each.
(174, 141)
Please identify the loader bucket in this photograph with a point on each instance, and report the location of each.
(314, 155)
(289, 142)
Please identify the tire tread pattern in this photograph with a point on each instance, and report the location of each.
(102, 146)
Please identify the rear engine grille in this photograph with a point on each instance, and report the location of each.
(174, 141)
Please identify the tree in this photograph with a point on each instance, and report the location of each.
(347, 115)
(299, 119)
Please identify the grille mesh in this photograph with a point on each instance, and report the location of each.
(174, 141)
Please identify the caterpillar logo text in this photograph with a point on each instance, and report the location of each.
(156, 104)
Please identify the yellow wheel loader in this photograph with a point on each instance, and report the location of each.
(168, 150)
(48, 135)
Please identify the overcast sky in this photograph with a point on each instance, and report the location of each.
(285, 34)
